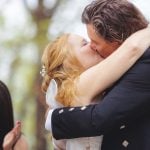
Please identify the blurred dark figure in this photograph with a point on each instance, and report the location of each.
(10, 135)
(6, 112)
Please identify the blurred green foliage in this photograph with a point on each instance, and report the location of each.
(23, 38)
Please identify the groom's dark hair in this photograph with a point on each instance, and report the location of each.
(114, 20)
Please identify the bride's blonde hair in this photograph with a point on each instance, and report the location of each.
(61, 64)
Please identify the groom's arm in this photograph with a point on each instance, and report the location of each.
(129, 99)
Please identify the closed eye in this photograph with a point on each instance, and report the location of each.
(84, 42)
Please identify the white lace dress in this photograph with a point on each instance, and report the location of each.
(85, 143)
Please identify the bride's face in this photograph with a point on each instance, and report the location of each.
(86, 56)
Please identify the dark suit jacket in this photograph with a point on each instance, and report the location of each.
(123, 117)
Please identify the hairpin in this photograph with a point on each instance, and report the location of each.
(43, 71)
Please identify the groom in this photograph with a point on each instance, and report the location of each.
(123, 114)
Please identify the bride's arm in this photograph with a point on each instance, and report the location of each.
(99, 77)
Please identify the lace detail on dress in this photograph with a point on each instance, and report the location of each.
(87, 143)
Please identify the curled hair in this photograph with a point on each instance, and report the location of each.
(114, 20)
(62, 65)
